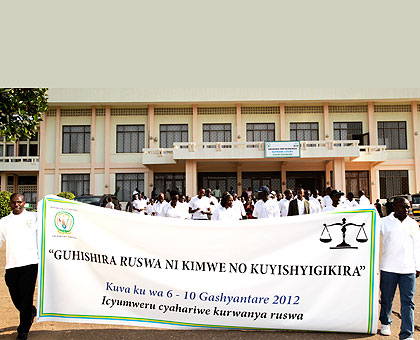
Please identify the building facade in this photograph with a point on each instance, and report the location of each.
(96, 141)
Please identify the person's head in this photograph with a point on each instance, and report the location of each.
(299, 193)
(182, 198)
(307, 194)
(135, 196)
(140, 196)
(226, 201)
(401, 208)
(315, 193)
(263, 193)
(328, 191)
(335, 197)
(188, 198)
(361, 193)
(279, 196)
(151, 201)
(201, 193)
(17, 203)
(174, 196)
(161, 197)
(208, 192)
(249, 200)
(288, 194)
(235, 196)
(350, 196)
(109, 200)
(377, 200)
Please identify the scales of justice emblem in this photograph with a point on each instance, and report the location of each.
(326, 236)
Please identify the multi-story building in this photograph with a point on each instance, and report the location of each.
(96, 141)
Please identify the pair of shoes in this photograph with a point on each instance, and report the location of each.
(22, 336)
(33, 314)
(386, 330)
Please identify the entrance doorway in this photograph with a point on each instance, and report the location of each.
(165, 181)
(255, 180)
(222, 180)
(306, 179)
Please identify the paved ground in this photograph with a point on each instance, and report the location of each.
(74, 331)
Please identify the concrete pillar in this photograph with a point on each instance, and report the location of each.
(239, 136)
(107, 155)
(149, 182)
(42, 155)
(283, 126)
(327, 132)
(328, 169)
(373, 140)
(239, 178)
(374, 185)
(92, 151)
(3, 181)
(195, 124)
(151, 126)
(57, 188)
(339, 174)
(191, 177)
(283, 178)
(416, 145)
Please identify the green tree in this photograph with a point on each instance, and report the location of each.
(20, 112)
(66, 194)
(5, 203)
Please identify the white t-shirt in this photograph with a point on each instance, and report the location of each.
(215, 202)
(364, 201)
(269, 209)
(400, 245)
(110, 205)
(238, 209)
(20, 233)
(284, 206)
(157, 207)
(203, 204)
(326, 201)
(184, 206)
(150, 208)
(351, 204)
(332, 208)
(221, 213)
(139, 204)
(315, 205)
(169, 211)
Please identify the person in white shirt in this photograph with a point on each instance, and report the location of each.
(284, 202)
(400, 265)
(224, 210)
(363, 200)
(265, 207)
(327, 200)
(159, 204)
(19, 230)
(336, 204)
(299, 206)
(350, 202)
(199, 206)
(139, 204)
(184, 206)
(214, 202)
(150, 207)
(109, 204)
(173, 208)
(238, 207)
(314, 204)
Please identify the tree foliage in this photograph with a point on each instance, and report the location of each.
(5, 203)
(66, 194)
(21, 111)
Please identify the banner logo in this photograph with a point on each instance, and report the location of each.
(326, 236)
(64, 222)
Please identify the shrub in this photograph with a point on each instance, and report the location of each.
(5, 203)
(66, 194)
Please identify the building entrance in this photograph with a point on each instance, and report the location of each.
(222, 180)
(255, 180)
(165, 181)
(306, 179)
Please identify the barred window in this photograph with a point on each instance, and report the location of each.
(346, 130)
(130, 138)
(304, 131)
(172, 133)
(78, 184)
(76, 139)
(393, 135)
(260, 132)
(217, 132)
(127, 183)
(393, 182)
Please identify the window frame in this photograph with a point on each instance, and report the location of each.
(86, 139)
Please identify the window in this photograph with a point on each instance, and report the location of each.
(346, 130)
(357, 180)
(172, 133)
(130, 138)
(393, 135)
(126, 184)
(10, 150)
(260, 132)
(78, 184)
(76, 139)
(165, 181)
(217, 132)
(304, 131)
(393, 182)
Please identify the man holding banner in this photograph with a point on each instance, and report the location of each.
(19, 230)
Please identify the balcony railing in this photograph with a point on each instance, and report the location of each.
(19, 163)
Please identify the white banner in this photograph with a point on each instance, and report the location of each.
(282, 149)
(313, 272)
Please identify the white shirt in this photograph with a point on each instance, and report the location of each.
(301, 206)
(284, 206)
(340, 206)
(269, 209)
(326, 201)
(184, 206)
(215, 202)
(169, 211)
(110, 205)
(364, 201)
(139, 204)
(238, 209)
(221, 213)
(203, 204)
(400, 245)
(351, 204)
(150, 208)
(157, 207)
(20, 233)
(315, 205)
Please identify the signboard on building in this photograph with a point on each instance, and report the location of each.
(286, 149)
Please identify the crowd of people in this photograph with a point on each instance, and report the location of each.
(211, 204)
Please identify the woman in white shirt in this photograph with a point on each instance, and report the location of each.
(224, 210)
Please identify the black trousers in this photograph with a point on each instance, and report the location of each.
(21, 283)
